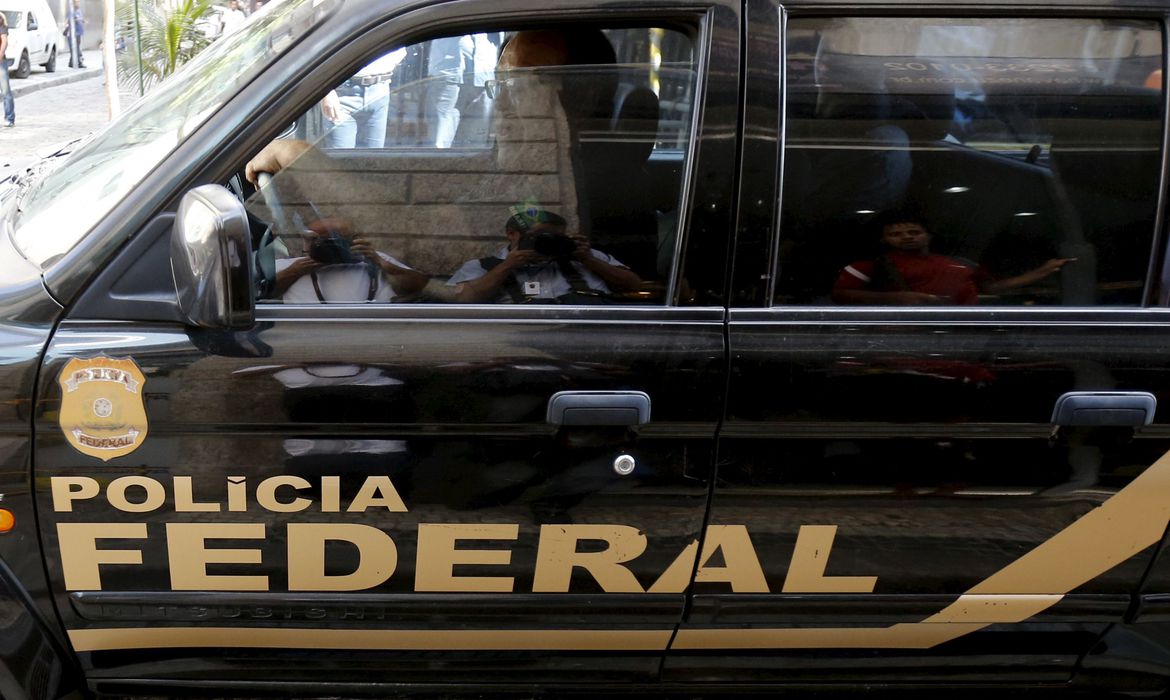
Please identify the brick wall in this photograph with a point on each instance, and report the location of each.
(436, 209)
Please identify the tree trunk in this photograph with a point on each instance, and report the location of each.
(110, 57)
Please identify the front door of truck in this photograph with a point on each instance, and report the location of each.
(428, 490)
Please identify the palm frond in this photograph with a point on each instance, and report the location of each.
(169, 37)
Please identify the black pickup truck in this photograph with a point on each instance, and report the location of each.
(703, 346)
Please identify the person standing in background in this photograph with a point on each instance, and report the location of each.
(449, 59)
(474, 105)
(358, 108)
(232, 17)
(5, 87)
(75, 29)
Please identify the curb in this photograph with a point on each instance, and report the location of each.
(72, 77)
(25, 86)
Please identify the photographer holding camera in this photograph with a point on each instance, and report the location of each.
(542, 263)
(337, 268)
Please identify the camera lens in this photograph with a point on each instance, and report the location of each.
(554, 245)
(331, 250)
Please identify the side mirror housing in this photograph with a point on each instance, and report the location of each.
(211, 259)
(32, 24)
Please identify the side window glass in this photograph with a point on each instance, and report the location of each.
(980, 161)
(496, 167)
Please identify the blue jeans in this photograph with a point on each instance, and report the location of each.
(363, 118)
(442, 113)
(6, 89)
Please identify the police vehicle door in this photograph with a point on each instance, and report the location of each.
(361, 491)
(938, 455)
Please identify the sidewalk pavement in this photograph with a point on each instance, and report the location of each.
(39, 79)
(49, 118)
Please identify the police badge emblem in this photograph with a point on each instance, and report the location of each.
(102, 411)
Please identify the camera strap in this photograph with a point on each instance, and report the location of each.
(369, 297)
(573, 276)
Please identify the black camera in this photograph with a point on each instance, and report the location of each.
(332, 250)
(553, 245)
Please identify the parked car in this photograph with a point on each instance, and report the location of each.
(33, 36)
(692, 347)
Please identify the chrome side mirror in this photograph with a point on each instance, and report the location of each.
(211, 259)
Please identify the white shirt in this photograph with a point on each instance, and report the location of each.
(542, 281)
(231, 19)
(340, 284)
(383, 65)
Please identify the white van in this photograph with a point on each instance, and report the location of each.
(33, 36)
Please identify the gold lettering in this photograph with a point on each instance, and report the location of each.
(741, 565)
(67, 489)
(237, 489)
(557, 555)
(185, 499)
(437, 557)
(81, 559)
(377, 491)
(377, 557)
(806, 572)
(266, 494)
(189, 556)
(155, 494)
(331, 494)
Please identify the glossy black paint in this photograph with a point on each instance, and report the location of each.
(924, 437)
(32, 661)
(454, 413)
(928, 445)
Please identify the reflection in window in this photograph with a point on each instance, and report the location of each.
(535, 167)
(1027, 150)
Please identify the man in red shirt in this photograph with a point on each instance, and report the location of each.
(908, 274)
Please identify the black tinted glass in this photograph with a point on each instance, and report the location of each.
(970, 161)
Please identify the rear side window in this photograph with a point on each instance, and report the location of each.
(969, 161)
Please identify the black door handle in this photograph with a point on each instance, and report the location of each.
(599, 408)
(1104, 408)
